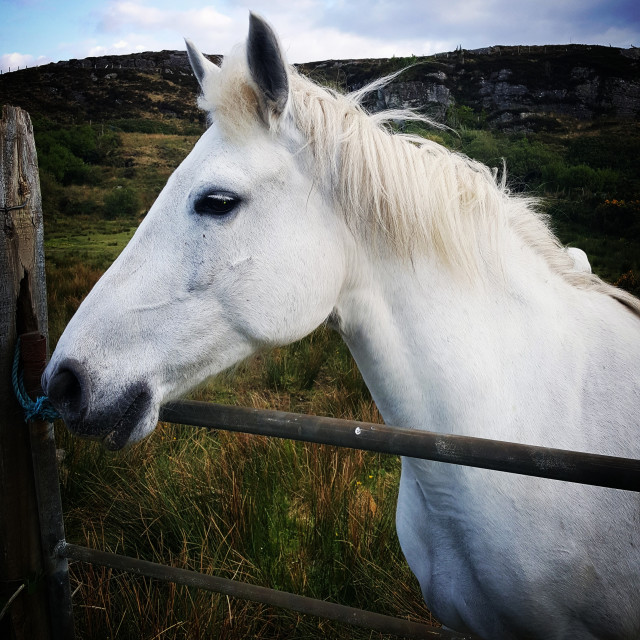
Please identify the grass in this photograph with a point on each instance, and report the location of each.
(610, 256)
(103, 244)
(304, 518)
(310, 519)
(151, 158)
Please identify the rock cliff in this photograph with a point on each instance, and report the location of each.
(510, 88)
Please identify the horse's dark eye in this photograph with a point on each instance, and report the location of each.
(216, 204)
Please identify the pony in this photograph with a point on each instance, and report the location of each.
(462, 310)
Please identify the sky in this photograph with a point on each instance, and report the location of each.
(36, 32)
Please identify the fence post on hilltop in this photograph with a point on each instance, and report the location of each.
(35, 600)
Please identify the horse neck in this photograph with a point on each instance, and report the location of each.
(435, 350)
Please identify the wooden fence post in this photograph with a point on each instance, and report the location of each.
(30, 511)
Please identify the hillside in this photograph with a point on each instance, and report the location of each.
(565, 118)
(509, 88)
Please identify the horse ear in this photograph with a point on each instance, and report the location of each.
(201, 66)
(267, 65)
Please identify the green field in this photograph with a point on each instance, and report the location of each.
(314, 520)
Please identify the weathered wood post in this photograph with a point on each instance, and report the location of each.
(34, 585)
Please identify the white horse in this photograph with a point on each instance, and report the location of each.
(463, 312)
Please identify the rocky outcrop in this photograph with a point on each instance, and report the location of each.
(511, 88)
(162, 61)
(515, 88)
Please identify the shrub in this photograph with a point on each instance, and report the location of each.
(605, 152)
(70, 153)
(630, 282)
(619, 217)
(73, 206)
(462, 116)
(526, 158)
(61, 163)
(581, 177)
(482, 146)
(105, 151)
(170, 126)
(121, 202)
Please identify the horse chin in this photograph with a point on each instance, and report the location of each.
(138, 421)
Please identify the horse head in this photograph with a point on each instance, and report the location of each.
(241, 250)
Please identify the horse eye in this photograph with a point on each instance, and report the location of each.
(216, 204)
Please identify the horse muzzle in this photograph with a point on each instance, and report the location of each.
(115, 418)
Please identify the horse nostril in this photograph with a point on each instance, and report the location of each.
(65, 390)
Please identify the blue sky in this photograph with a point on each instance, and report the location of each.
(40, 31)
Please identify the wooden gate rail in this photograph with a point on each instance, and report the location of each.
(237, 589)
(557, 464)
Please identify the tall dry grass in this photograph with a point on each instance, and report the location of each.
(309, 519)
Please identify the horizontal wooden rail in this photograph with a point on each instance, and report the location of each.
(236, 589)
(557, 464)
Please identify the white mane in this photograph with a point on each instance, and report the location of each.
(399, 191)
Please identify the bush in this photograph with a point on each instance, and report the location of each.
(526, 159)
(605, 152)
(70, 153)
(582, 177)
(121, 202)
(462, 116)
(171, 126)
(629, 282)
(619, 217)
(61, 163)
(483, 146)
(533, 163)
(106, 149)
(75, 207)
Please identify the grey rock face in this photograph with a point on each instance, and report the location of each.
(517, 88)
(512, 88)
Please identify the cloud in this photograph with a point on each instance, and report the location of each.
(13, 61)
(406, 19)
(140, 16)
(325, 43)
(97, 51)
(313, 30)
(321, 29)
(128, 43)
(616, 37)
(475, 23)
(310, 30)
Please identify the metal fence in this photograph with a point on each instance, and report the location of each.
(543, 462)
(569, 466)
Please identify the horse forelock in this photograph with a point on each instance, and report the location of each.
(397, 191)
(229, 97)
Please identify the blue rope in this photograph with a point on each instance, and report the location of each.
(41, 408)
